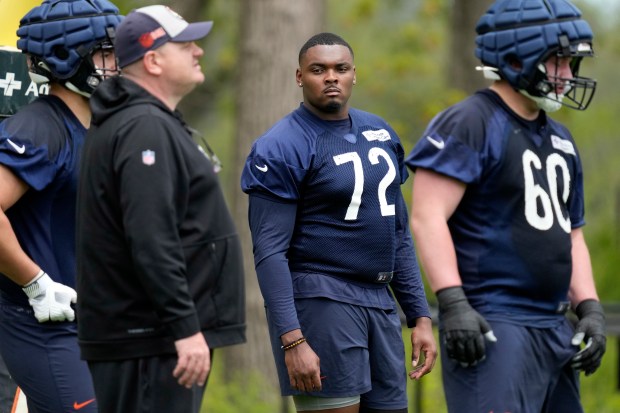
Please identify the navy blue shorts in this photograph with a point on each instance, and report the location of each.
(44, 360)
(526, 371)
(361, 351)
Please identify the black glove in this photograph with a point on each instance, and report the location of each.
(464, 329)
(591, 328)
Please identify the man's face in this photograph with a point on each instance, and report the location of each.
(327, 75)
(180, 64)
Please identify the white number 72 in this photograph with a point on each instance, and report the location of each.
(356, 199)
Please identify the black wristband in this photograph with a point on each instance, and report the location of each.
(449, 296)
(589, 306)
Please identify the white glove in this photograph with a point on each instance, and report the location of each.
(50, 300)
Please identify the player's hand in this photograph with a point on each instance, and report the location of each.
(51, 301)
(465, 330)
(303, 367)
(591, 330)
(423, 347)
(194, 361)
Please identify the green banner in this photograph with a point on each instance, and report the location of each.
(16, 88)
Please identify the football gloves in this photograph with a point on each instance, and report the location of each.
(51, 301)
(591, 329)
(465, 330)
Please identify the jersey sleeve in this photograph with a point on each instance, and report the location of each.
(271, 225)
(278, 162)
(29, 147)
(452, 145)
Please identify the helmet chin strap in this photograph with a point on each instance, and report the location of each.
(75, 89)
(550, 103)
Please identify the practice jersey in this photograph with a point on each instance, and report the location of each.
(40, 145)
(524, 195)
(345, 187)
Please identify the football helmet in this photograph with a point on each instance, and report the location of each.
(61, 37)
(516, 37)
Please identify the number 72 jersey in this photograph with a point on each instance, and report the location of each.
(524, 196)
(346, 184)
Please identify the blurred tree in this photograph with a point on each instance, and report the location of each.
(272, 32)
(464, 15)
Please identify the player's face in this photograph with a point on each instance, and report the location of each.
(105, 62)
(327, 75)
(559, 71)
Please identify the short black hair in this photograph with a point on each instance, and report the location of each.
(324, 39)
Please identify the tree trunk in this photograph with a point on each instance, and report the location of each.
(272, 32)
(463, 19)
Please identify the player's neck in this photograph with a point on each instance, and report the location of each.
(520, 104)
(341, 114)
(77, 103)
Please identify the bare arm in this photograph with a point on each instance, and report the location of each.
(582, 280)
(435, 197)
(14, 262)
(590, 328)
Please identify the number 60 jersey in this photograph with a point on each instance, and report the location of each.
(524, 195)
(345, 178)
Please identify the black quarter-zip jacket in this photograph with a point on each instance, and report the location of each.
(158, 255)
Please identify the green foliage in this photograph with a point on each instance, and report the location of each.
(235, 397)
(399, 62)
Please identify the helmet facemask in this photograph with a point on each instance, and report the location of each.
(98, 64)
(66, 39)
(551, 91)
(515, 40)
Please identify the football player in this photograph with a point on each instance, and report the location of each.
(331, 243)
(498, 210)
(69, 45)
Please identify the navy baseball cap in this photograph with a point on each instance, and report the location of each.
(150, 27)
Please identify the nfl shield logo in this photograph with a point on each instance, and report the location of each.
(148, 157)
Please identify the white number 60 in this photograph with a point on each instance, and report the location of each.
(534, 193)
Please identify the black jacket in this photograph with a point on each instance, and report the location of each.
(158, 256)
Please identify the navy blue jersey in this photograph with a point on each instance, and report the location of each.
(346, 191)
(524, 195)
(351, 219)
(40, 145)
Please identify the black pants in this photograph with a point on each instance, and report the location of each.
(7, 389)
(144, 385)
